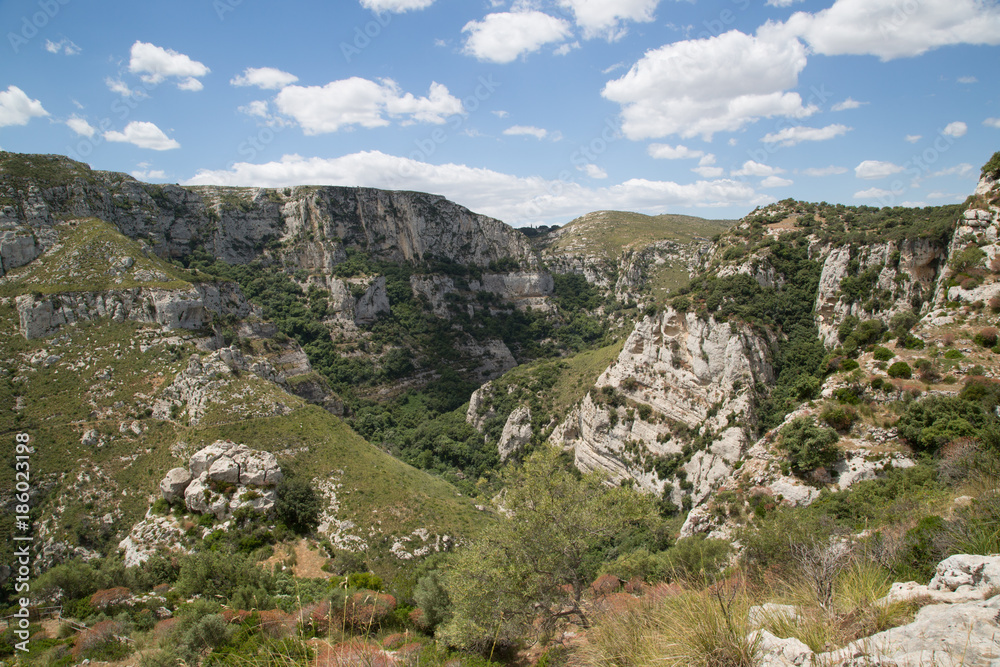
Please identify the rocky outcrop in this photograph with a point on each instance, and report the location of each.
(696, 378)
(191, 308)
(516, 432)
(906, 272)
(315, 224)
(224, 477)
(17, 248)
(373, 302)
(150, 536)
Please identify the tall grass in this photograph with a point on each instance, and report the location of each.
(693, 628)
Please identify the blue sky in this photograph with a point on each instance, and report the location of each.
(532, 111)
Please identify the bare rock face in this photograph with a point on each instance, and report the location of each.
(516, 432)
(479, 410)
(688, 371)
(150, 535)
(173, 485)
(192, 308)
(224, 477)
(907, 270)
(374, 302)
(17, 249)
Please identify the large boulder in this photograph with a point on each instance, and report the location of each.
(174, 484)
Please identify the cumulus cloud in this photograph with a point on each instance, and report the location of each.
(963, 169)
(849, 103)
(967, 79)
(709, 172)
(781, 3)
(64, 46)
(668, 152)
(956, 129)
(515, 199)
(825, 171)
(594, 171)
(526, 130)
(357, 101)
(145, 173)
(795, 135)
(155, 64)
(704, 86)
(890, 29)
(753, 168)
(873, 193)
(268, 78)
(504, 36)
(565, 49)
(397, 6)
(775, 182)
(912, 138)
(81, 126)
(872, 169)
(605, 18)
(992, 122)
(143, 135)
(16, 108)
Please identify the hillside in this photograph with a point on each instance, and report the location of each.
(810, 371)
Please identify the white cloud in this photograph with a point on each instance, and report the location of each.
(956, 129)
(120, 87)
(703, 86)
(992, 122)
(146, 174)
(752, 168)
(255, 108)
(964, 169)
(515, 199)
(794, 135)
(564, 49)
(81, 126)
(890, 29)
(357, 101)
(604, 18)
(526, 130)
(912, 138)
(825, 171)
(500, 113)
(668, 152)
(612, 68)
(873, 193)
(268, 78)
(594, 171)
(966, 79)
(781, 3)
(709, 172)
(871, 169)
(849, 103)
(143, 135)
(504, 36)
(381, 6)
(155, 64)
(63, 46)
(946, 196)
(16, 108)
(706, 159)
(775, 182)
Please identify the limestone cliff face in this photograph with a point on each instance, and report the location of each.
(191, 308)
(907, 273)
(306, 227)
(684, 380)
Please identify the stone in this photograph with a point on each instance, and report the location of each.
(516, 432)
(174, 484)
(90, 437)
(773, 651)
(224, 469)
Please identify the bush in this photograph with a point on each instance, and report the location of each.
(883, 354)
(840, 417)
(986, 337)
(900, 370)
(953, 354)
(697, 558)
(298, 505)
(929, 424)
(808, 445)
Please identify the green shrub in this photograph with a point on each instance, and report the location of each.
(910, 342)
(992, 167)
(883, 354)
(697, 558)
(365, 581)
(986, 337)
(953, 354)
(809, 445)
(900, 370)
(839, 417)
(298, 504)
(432, 597)
(878, 384)
(847, 395)
(937, 420)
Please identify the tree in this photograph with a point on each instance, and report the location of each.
(298, 505)
(532, 564)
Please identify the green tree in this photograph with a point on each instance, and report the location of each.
(532, 564)
(809, 445)
(298, 505)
